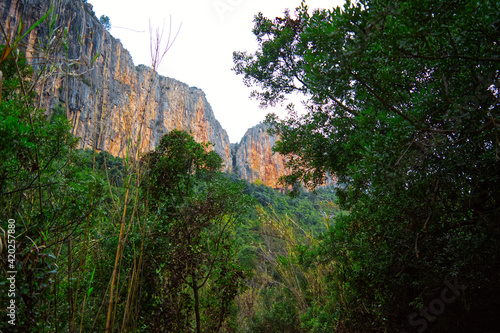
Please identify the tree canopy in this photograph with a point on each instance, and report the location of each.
(403, 108)
(104, 19)
(193, 210)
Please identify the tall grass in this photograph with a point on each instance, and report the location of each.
(69, 216)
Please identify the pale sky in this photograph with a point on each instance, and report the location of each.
(202, 54)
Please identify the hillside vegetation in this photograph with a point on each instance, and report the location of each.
(403, 110)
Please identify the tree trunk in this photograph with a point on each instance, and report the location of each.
(1, 81)
(196, 303)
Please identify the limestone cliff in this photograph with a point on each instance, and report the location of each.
(254, 158)
(115, 105)
(111, 102)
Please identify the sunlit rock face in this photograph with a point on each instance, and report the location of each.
(254, 158)
(119, 107)
(113, 105)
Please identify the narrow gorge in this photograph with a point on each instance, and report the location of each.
(113, 104)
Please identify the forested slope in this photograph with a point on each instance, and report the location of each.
(403, 110)
(403, 107)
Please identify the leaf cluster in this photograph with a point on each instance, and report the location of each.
(403, 108)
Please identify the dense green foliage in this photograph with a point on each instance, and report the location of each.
(104, 20)
(194, 208)
(404, 109)
(103, 243)
(310, 208)
(161, 243)
(48, 196)
(176, 255)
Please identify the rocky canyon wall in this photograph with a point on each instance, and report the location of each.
(113, 105)
(254, 158)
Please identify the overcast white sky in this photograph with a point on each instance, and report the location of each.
(202, 54)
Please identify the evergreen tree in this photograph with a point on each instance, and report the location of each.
(404, 109)
(194, 209)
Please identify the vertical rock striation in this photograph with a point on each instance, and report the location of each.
(254, 158)
(112, 104)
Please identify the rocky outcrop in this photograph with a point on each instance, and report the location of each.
(254, 158)
(116, 106)
(112, 104)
